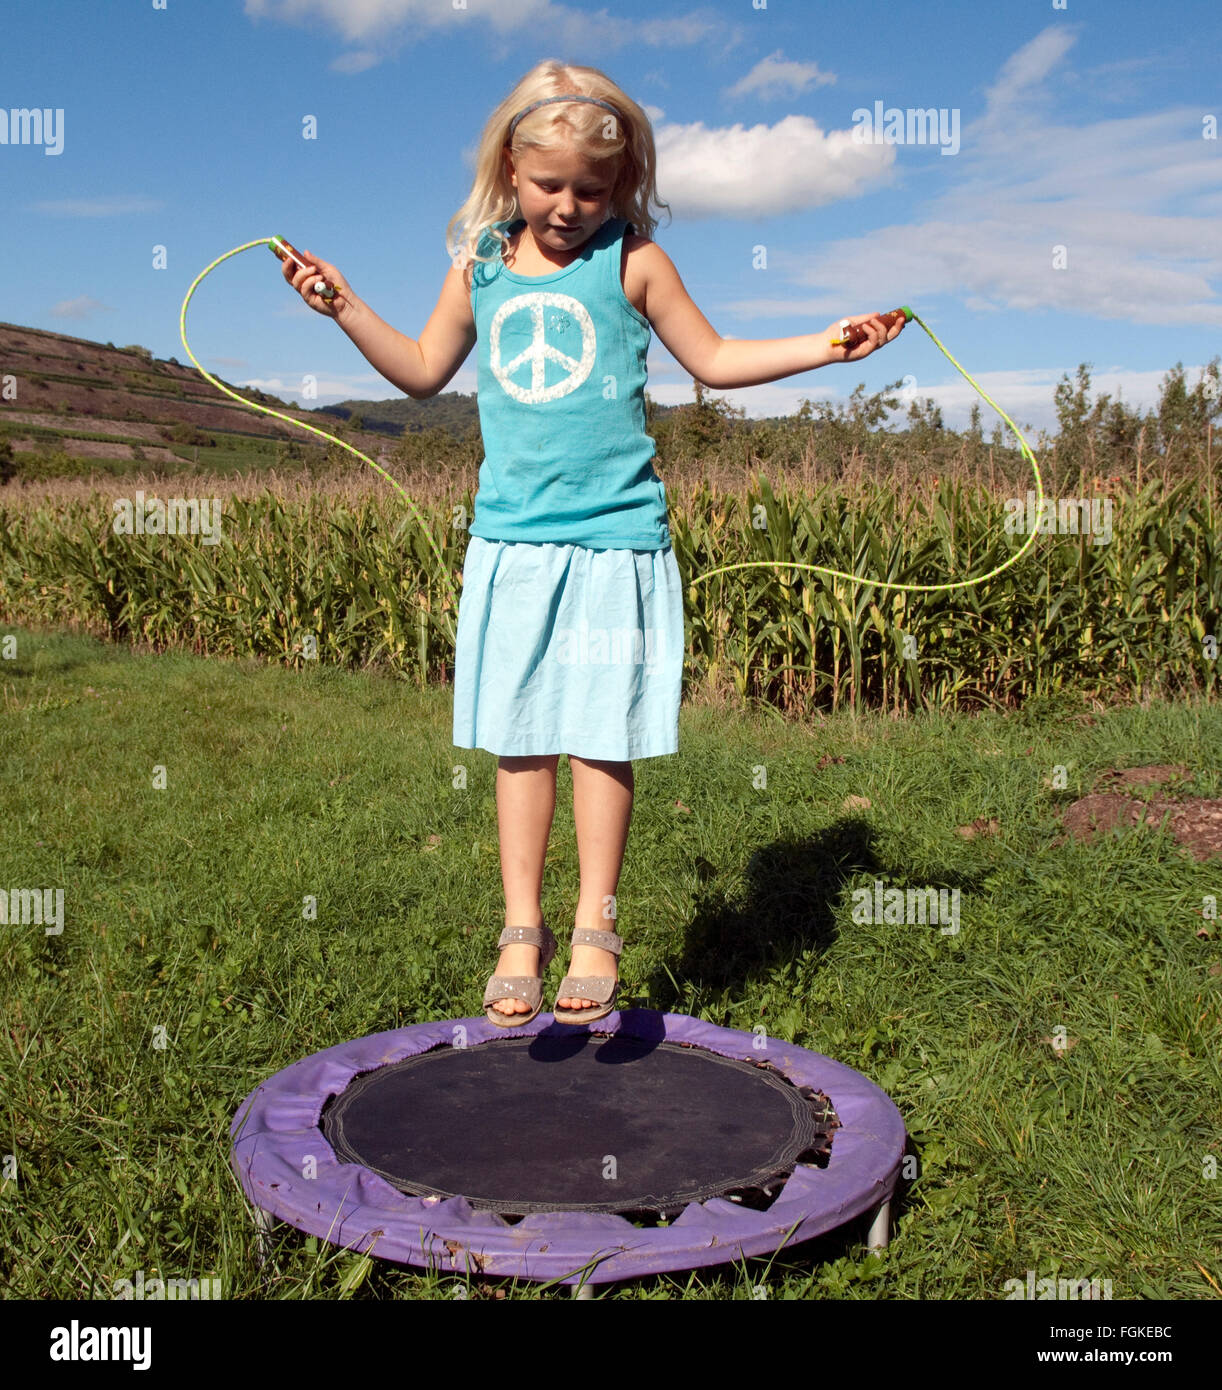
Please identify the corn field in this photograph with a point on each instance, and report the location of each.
(360, 584)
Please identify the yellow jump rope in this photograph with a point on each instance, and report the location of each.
(852, 336)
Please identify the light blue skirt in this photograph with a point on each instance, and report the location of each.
(564, 649)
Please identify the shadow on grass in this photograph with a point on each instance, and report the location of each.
(795, 893)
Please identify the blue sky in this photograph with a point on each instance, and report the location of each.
(1082, 127)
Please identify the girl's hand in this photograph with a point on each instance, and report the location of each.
(876, 331)
(303, 282)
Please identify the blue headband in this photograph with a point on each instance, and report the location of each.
(594, 101)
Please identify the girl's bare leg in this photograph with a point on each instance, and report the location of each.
(525, 805)
(602, 811)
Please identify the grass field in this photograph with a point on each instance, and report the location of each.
(186, 973)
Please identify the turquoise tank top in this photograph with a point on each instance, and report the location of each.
(561, 392)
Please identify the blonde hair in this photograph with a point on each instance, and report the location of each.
(594, 133)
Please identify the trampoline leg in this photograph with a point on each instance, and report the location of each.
(880, 1228)
(583, 1291)
(263, 1229)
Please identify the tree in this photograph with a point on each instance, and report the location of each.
(926, 415)
(705, 426)
(8, 464)
(1183, 414)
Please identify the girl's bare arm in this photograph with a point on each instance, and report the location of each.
(726, 363)
(418, 367)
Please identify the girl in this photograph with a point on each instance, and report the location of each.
(570, 630)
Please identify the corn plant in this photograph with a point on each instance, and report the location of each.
(359, 576)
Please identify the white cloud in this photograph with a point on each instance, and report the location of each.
(330, 389)
(777, 76)
(1134, 202)
(762, 170)
(680, 32)
(1020, 77)
(359, 60)
(360, 20)
(465, 381)
(370, 21)
(84, 306)
(272, 384)
(1025, 395)
(1142, 269)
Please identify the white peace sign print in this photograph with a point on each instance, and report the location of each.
(540, 350)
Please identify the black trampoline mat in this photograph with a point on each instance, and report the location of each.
(603, 1124)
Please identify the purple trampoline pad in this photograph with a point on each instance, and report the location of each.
(420, 1145)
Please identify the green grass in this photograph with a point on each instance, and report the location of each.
(183, 912)
(231, 453)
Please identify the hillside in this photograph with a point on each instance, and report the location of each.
(451, 411)
(71, 408)
(69, 405)
(103, 405)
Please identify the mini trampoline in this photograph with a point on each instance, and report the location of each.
(646, 1143)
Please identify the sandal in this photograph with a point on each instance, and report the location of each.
(528, 987)
(598, 987)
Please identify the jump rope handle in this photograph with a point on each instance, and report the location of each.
(855, 334)
(284, 250)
